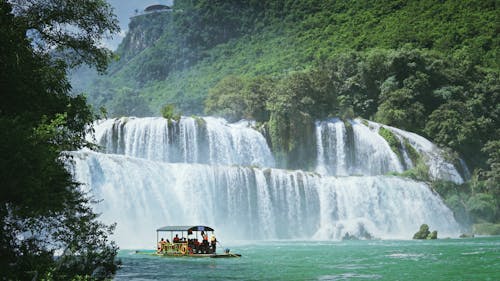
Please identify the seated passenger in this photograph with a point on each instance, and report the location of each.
(205, 243)
(196, 246)
(161, 245)
(176, 238)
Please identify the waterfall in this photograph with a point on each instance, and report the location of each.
(331, 148)
(203, 140)
(372, 154)
(439, 167)
(252, 203)
(151, 172)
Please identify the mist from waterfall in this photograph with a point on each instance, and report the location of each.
(252, 203)
(151, 172)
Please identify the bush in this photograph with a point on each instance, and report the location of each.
(168, 112)
(481, 206)
(392, 140)
(486, 229)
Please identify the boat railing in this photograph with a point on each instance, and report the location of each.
(176, 248)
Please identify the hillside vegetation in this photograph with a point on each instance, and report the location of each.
(430, 67)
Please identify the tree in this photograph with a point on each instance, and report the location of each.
(481, 206)
(43, 212)
(256, 96)
(226, 98)
(128, 102)
(398, 108)
(169, 112)
(73, 29)
(291, 126)
(492, 175)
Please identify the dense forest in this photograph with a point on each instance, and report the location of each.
(176, 56)
(429, 67)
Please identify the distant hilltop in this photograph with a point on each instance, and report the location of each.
(156, 8)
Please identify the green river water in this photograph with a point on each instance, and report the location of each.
(443, 259)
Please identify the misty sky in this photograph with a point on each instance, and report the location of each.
(124, 9)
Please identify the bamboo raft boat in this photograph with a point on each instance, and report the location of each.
(188, 244)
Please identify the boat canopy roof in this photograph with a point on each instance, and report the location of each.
(185, 228)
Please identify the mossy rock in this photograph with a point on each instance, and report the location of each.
(199, 121)
(365, 122)
(423, 233)
(392, 140)
(412, 152)
(432, 235)
(420, 172)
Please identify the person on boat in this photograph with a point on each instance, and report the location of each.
(213, 242)
(158, 248)
(161, 245)
(176, 238)
(196, 245)
(205, 241)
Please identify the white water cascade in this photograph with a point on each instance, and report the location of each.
(191, 140)
(150, 173)
(362, 151)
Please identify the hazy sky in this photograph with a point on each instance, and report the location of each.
(124, 9)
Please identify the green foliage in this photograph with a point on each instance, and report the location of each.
(469, 201)
(456, 202)
(391, 139)
(226, 99)
(446, 124)
(168, 112)
(412, 153)
(399, 109)
(419, 172)
(256, 96)
(486, 229)
(481, 206)
(291, 123)
(492, 175)
(128, 102)
(79, 29)
(39, 121)
(201, 42)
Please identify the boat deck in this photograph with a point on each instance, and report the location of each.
(223, 255)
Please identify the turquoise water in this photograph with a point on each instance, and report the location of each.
(444, 259)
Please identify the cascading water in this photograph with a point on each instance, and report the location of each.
(202, 140)
(439, 167)
(371, 153)
(331, 148)
(251, 203)
(206, 171)
(368, 153)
